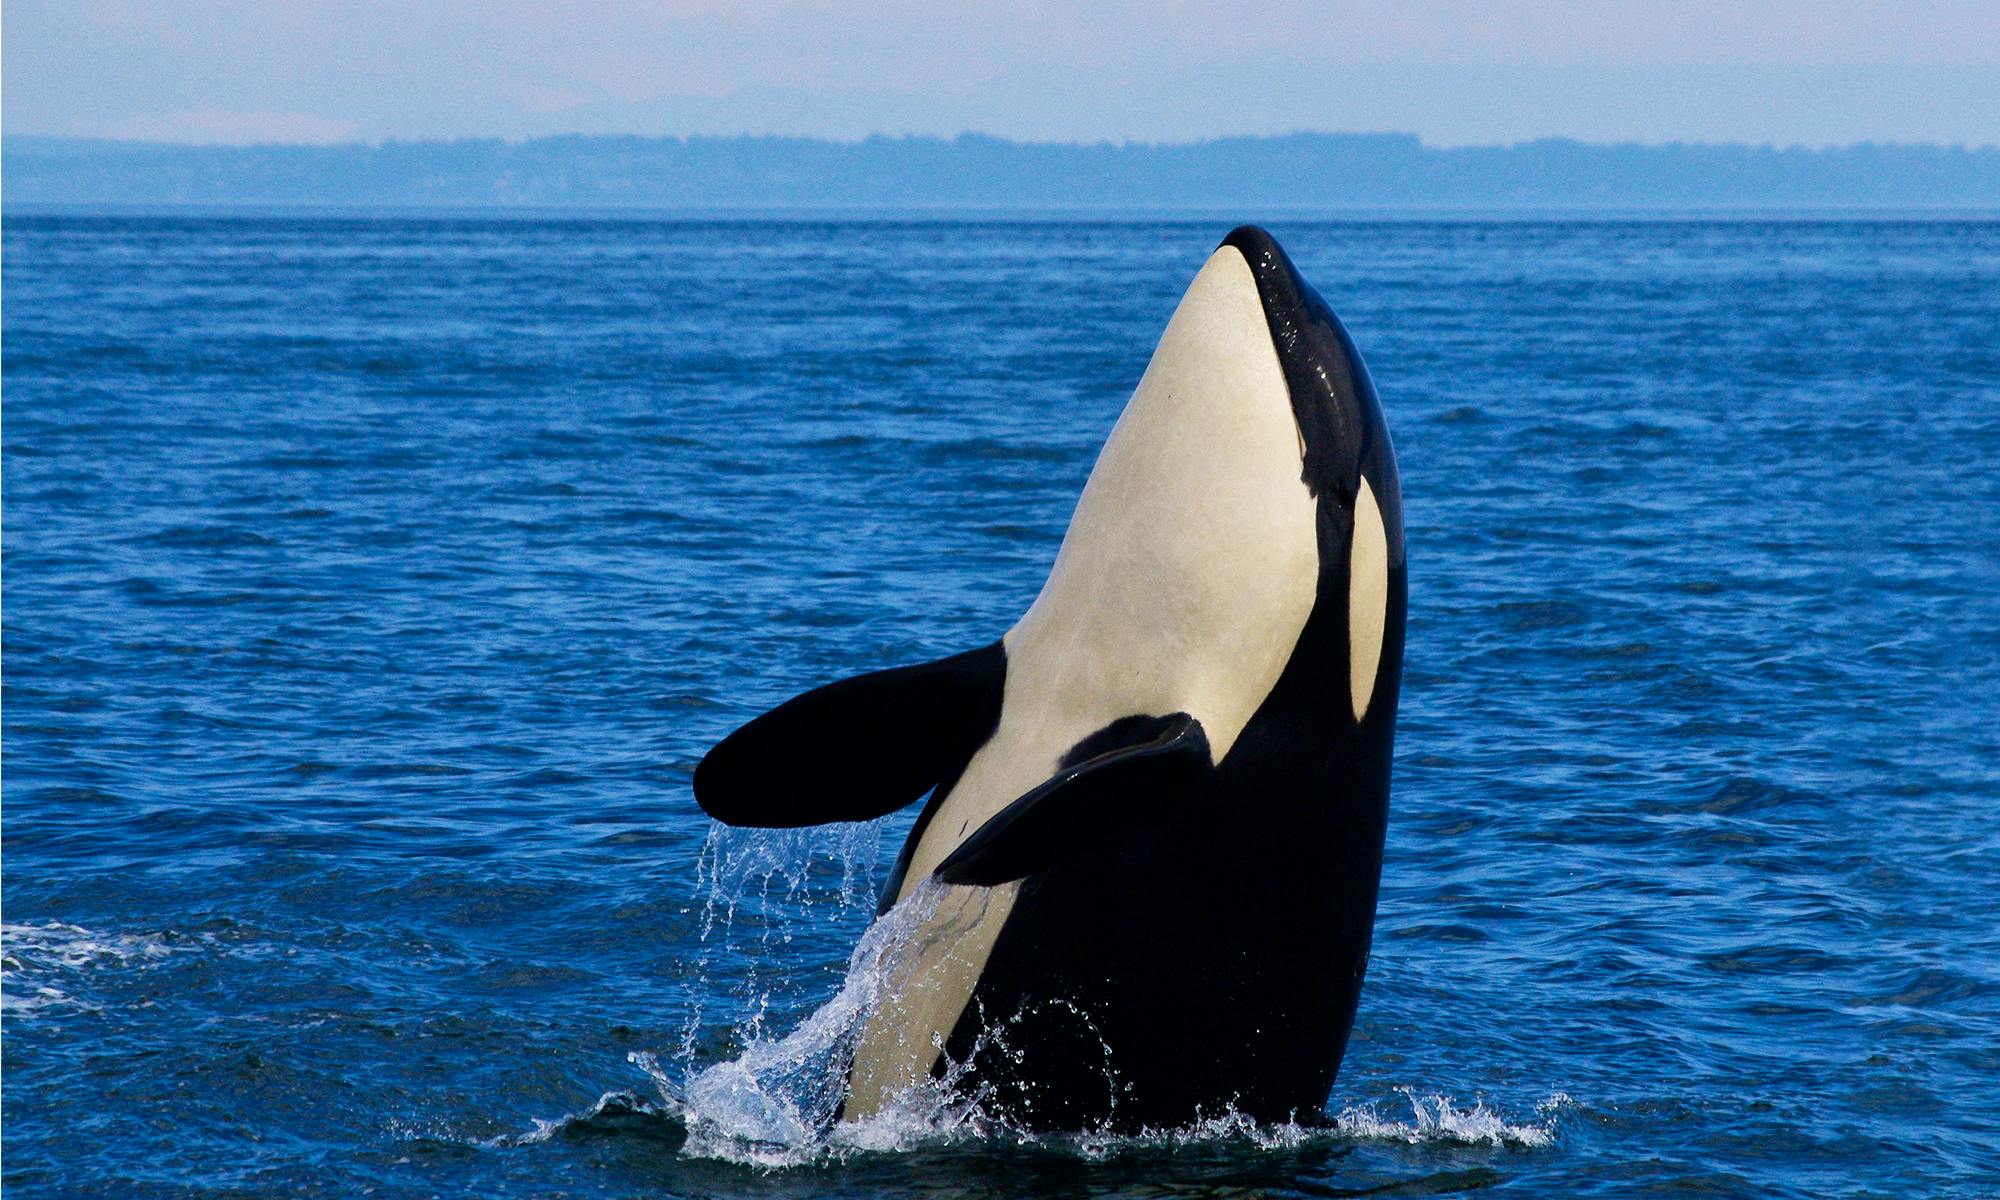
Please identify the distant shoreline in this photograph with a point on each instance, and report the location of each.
(1340, 176)
(13, 211)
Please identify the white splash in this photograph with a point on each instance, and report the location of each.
(38, 961)
(1437, 1118)
(777, 882)
(777, 1103)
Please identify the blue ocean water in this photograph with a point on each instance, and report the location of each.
(373, 585)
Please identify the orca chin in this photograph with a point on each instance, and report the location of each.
(1157, 803)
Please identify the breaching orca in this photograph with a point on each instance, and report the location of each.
(1159, 800)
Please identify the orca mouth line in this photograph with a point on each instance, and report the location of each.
(1333, 399)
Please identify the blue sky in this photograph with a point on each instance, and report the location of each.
(1783, 71)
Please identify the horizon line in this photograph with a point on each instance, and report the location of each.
(972, 135)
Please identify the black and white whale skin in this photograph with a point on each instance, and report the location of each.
(1159, 800)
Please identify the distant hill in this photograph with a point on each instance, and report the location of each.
(1298, 171)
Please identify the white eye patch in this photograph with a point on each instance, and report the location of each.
(1367, 599)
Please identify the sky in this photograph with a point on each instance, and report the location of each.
(1456, 72)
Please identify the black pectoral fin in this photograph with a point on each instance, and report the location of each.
(857, 749)
(1086, 806)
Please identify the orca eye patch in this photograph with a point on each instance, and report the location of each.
(1367, 598)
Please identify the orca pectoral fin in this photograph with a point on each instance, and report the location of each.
(1085, 806)
(857, 749)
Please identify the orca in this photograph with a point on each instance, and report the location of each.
(1157, 804)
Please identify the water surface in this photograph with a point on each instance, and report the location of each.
(373, 586)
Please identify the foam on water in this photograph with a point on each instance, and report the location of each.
(1436, 1118)
(38, 962)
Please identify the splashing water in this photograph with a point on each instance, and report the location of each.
(780, 884)
(1438, 1119)
(777, 1103)
(781, 1098)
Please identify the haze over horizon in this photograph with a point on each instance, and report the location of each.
(979, 135)
(228, 72)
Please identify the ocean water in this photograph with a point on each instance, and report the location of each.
(373, 586)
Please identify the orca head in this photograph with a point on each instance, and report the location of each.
(1346, 460)
(1244, 513)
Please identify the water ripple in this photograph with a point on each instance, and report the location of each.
(373, 586)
